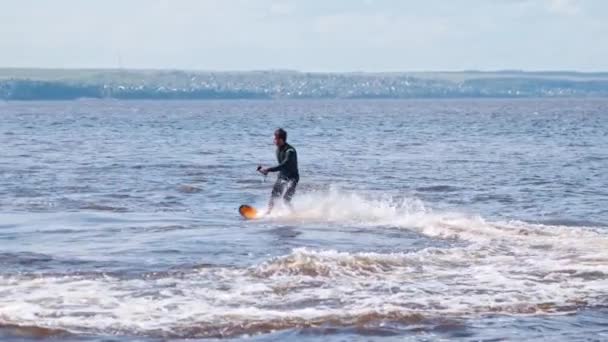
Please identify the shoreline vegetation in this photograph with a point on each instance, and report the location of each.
(70, 84)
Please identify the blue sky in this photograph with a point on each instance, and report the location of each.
(308, 35)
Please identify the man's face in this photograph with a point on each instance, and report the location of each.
(278, 141)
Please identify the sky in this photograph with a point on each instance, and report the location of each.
(306, 35)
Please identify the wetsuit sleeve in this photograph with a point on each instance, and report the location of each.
(289, 157)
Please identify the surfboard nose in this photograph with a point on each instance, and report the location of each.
(248, 211)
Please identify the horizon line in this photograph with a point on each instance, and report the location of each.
(506, 70)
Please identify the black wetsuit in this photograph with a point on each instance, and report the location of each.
(288, 172)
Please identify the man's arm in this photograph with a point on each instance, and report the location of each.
(289, 156)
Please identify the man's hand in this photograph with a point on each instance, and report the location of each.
(262, 170)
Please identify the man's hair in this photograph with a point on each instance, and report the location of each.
(281, 134)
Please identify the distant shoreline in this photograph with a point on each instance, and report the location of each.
(71, 84)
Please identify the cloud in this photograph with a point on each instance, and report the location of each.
(282, 8)
(379, 29)
(337, 35)
(565, 7)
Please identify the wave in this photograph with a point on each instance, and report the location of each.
(33, 331)
(509, 268)
(102, 207)
(438, 188)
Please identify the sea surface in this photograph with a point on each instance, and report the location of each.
(421, 220)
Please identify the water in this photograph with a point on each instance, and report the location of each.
(415, 220)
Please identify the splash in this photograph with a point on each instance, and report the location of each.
(337, 206)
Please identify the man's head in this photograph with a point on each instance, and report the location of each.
(280, 137)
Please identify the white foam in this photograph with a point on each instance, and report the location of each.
(503, 267)
(338, 206)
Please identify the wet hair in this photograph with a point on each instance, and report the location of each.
(281, 134)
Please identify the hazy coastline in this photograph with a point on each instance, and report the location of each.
(69, 84)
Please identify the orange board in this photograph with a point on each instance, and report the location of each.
(248, 211)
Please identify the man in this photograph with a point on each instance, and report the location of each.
(288, 170)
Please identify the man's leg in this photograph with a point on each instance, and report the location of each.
(291, 190)
(277, 190)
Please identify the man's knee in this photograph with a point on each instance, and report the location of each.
(276, 193)
(291, 190)
(277, 190)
